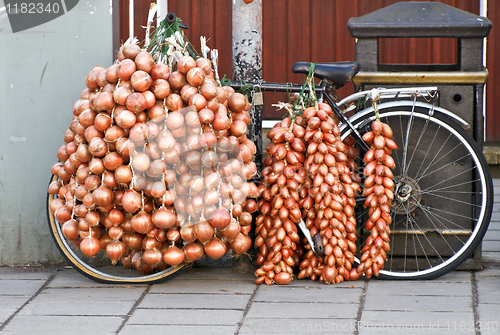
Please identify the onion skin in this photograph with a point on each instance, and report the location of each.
(240, 244)
(163, 218)
(174, 101)
(90, 246)
(215, 248)
(237, 102)
(177, 80)
(130, 51)
(125, 69)
(203, 231)
(185, 64)
(160, 71)
(70, 229)
(195, 76)
(136, 102)
(193, 251)
(140, 80)
(173, 256)
(160, 88)
(131, 201)
(141, 222)
(220, 219)
(283, 278)
(144, 61)
(103, 196)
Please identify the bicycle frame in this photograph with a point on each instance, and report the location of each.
(323, 89)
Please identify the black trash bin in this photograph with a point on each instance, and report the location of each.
(461, 85)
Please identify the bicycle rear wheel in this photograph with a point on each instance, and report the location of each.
(100, 267)
(443, 193)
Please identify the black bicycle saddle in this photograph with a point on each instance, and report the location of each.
(340, 73)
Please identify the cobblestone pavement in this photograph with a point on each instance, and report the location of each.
(219, 301)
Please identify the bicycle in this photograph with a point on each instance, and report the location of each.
(443, 193)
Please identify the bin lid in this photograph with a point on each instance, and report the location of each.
(419, 19)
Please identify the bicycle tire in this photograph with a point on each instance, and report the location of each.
(443, 219)
(100, 268)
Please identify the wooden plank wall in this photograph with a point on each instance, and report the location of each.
(492, 127)
(316, 30)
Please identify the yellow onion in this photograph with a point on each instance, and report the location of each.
(90, 246)
(125, 69)
(203, 231)
(193, 251)
(237, 102)
(131, 201)
(116, 250)
(240, 244)
(160, 71)
(173, 256)
(215, 248)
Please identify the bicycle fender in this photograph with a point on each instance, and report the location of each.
(391, 104)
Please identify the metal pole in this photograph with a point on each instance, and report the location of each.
(247, 60)
(131, 18)
(247, 66)
(162, 9)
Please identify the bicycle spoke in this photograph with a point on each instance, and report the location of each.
(442, 167)
(427, 153)
(429, 214)
(452, 177)
(439, 196)
(405, 143)
(421, 135)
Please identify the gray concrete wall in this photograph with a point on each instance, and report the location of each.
(42, 73)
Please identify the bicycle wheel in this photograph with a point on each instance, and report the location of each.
(100, 267)
(443, 193)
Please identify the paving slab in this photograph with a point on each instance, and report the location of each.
(25, 273)
(454, 277)
(297, 326)
(185, 317)
(205, 286)
(415, 288)
(302, 310)
(495, 215)
(83, 301)
(326, 294)
(491, 245)
(489, 318)
(488, 290)
(10, 304)
(69, 278)
(20, 287)
(491, 256)
(174, 329)
(196, 301)
(63, 325)
(417, 303)
(414, 319)
(492, 235)
(429, 329)
(312, 284)
(488, 272)
(215, 273)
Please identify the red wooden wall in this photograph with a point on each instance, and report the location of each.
(316, 31)
(492, 127)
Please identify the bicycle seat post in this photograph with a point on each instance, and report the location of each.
(323, 84)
